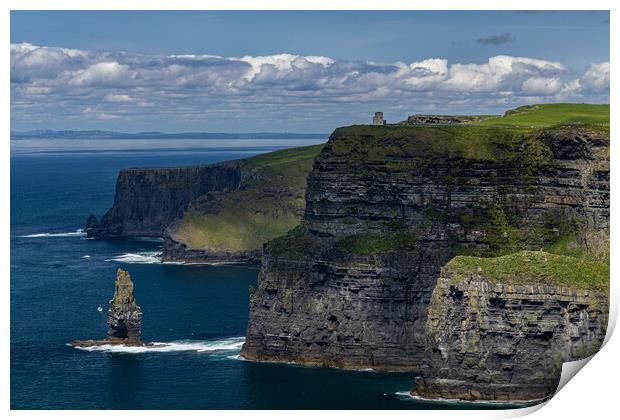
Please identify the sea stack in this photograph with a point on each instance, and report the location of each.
(124, 315)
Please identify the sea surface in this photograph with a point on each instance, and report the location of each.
(59, 279)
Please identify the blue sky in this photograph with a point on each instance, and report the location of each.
(295, 71)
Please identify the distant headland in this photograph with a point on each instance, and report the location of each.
(99, 134)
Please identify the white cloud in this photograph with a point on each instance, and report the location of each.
(597, 76)
(118, 97)
(109, 73)
(542, 85)
(59, 81)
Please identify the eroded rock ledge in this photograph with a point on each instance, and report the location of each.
(490, 340)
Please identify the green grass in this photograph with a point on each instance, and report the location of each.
(533, 268)
(567, 244)
(375, 244)
(550, 115)
(269, 207)
(235, 228)
(294, 164)
(493, 139)
(297, 243)
(386, 143)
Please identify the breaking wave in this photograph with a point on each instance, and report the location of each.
(232, 344)
(79, 232)
(154, 257)
(150, 257)
(405, 395)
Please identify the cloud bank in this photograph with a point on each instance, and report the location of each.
(282, 92)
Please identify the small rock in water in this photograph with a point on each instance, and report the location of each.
(124, 316)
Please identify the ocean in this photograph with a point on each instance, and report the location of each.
(59, 278)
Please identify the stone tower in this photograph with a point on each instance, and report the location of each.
(378, 119)
(124, 315)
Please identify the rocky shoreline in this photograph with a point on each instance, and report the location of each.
(176, 252)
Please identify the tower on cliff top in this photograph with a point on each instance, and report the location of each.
(378, 119)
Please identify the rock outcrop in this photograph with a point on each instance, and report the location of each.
(387, 207)
(489, 340)
(124, 316)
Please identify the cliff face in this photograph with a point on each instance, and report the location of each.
(148, 200)
(387, 207)
(494, 341)
(224, 211)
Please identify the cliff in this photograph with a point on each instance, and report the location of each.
(500, 328)
(147, 200)
(388, 206)
(212, 212)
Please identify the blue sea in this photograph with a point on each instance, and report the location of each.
(59, 278)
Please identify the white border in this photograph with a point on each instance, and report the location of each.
(590, 395)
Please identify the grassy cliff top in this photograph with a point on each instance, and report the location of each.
(294, 163)
(269, 207)
(550, 115)
(533, 268)
(492, 139)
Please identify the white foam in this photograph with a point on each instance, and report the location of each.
(407, 395)
(149, 239)
(154, 257)
(78, 232)
(151, 257)
(198, 346)
(86, 257)
(215, 264)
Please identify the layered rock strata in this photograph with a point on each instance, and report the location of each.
(387, 207)
(124, 316)
(148, 200)
(499, 341)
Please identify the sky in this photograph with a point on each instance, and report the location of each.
(295, 71)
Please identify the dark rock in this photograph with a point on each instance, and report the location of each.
(93, 227)
(148, 200)
(174, 251)
(494, 341)
(124, 314)
(319, 304)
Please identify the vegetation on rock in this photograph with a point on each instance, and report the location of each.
(533, 268)
(549, 115)
(268, 207)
